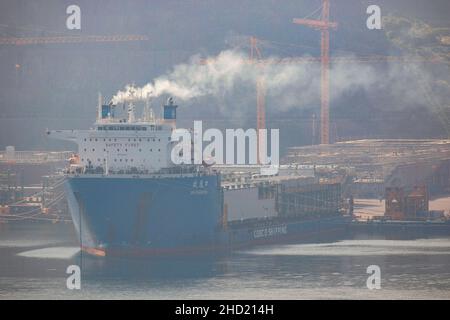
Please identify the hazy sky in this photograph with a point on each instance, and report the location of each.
(56, 85)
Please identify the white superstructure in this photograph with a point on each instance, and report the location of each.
(128, 144)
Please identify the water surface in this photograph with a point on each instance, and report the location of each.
(34, 258)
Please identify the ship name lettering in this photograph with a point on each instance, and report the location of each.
(270, 231)
(114, 144)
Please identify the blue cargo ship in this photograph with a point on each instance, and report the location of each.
(127, 198)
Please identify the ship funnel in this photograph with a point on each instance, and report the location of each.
(170, 112)
(107, 110)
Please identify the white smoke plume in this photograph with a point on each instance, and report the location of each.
(194, 79)
(290, 85)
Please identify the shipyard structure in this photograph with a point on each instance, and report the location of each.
(126, 197)
(403, 174)
(31, 185)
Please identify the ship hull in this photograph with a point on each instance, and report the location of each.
(121, 215)
(130, 216)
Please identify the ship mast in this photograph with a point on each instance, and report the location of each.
(99, 106)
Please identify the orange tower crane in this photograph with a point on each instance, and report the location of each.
(255, 56)
(260, 86)
(323, 25)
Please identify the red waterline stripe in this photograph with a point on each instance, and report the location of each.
(199, 249)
